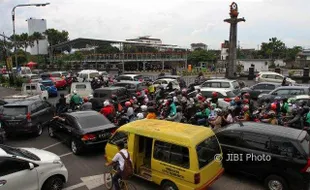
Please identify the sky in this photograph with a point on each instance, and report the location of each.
(179, 22)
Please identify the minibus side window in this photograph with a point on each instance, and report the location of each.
(119, 136)
(206, 151)
(171, 153)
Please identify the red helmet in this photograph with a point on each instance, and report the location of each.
(138, 93)
(85, 99)
(146, 91)
(273, 107)
(246, 101)
(237, 99)
(245, 108)
(127, 104)
(246, 95)
(214, 94)
(200, 97)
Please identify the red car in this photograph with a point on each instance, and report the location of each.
(60, 83)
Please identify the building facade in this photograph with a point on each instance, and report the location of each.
(195, 46)
(38, 25)
(225, 50)
(146, 39)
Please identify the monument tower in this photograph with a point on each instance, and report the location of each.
(233, 21)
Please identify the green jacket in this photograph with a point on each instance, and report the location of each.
(308, 117)
(76, 99)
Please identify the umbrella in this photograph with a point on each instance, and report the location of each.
(31, 64)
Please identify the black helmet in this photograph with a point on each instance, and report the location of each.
(179, 109)
(294, 111)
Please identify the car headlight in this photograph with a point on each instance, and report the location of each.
(58, 162)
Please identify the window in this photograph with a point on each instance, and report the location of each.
(15, 111)
(259, 87)
(225, 85)
(270, 87)
(282, 92)
(206, 151)
(255, 142)
(279, 77)
(80, 86)
(216, 84)
(296, 91)
(270, 76)
(136, 78)
(34, 108)
(235, 84)
(42, 87)
(230, 94)
(229, 138)
(9, 166)
(119, 136)
(30, 87)
(206, 84)
(92, 121)
(283, 147)
(171, 153)
(93, 75)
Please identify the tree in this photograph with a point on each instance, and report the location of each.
(201, 56)
(26, 41)
(291, 53)
(17, 41)
(55, 37)
(106, 48)
(274, 49)
(37, 36)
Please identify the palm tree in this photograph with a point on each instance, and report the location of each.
(37, 36)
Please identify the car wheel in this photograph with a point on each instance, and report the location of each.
(39, 130)
(75, 147)
(168, 185)
(50, 132)
(53, 183)
(274, 182)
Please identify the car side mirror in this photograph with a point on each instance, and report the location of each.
(31, 166)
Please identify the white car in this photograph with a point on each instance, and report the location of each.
(218, 84)
(224, 96)
(83, 89)
(165, 81)
(272, 77)
(129, 77)
(30, 169)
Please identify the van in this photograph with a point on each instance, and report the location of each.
(172, 155)
(87, 75)
(35, 89)
(83, 89)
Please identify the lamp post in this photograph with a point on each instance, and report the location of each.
(13, 21)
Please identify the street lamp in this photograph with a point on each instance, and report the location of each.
(13, 20)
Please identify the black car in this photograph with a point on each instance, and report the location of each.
(277, 155)
(106, 93)
(81, 130)
(284, 92)
(260, 88)
(26, 116)
(2, 133)
(131, 86)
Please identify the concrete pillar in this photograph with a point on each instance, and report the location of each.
(163, 65)
(143, 66)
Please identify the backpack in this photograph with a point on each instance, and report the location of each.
(128, 169)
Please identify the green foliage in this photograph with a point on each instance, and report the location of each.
(2, 79)
(106, 48)
(18, 81)
(273, 49)
(291, 73)
(55, 37)
(292, 53)
(201, 56)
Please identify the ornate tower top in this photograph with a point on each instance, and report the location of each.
(234, 10)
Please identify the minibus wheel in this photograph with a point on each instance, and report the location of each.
(168, 185)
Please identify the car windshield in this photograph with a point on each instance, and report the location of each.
(20, 152)
(92, 121)
(207, 150)
(15, 110)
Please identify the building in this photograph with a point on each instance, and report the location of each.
(38, 25)
(195, 46)
(303, 58)
(224, 50)
(259, 64)
(146, 39)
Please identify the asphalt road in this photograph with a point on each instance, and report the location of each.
(92, 163)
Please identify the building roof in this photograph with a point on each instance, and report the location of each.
(81, 43)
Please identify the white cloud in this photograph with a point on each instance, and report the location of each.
(174, 21)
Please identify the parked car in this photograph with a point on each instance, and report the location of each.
(60, 83)
(82, 88)
(131, 86)
(226, 84)
(165, 81)
(277, 155)
(260, 88)
(81, 130)
(50, 87)
(129, 77)
(31, 168)
(26, 116)
(224, 96)
(272, 77)
(284, 92)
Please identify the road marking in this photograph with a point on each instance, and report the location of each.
(91, 182)
(52, 145)
(67, 154)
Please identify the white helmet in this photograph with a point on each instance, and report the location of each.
(143, 108)
(140, 116)
(106, 103)
(74, 92)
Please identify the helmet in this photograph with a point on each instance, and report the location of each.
(237, 99)
(246, 101)
(146, 91)
(85, 99)
(138, 94)
(184, 91)
(246, 95)
(273, 107)
(214, 94)
(200, 97)
(140, 116)
(245, 108)
(143, 108)
(106, 103)
(74, 92)
(114, 97)
(127, 104)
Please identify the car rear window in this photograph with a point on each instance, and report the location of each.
(207, 150)
(15, 110)
(92, 121)
(31, 87)
(80, 86)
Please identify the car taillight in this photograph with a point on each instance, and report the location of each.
(306, 169)
(89, 137)
(28, 117)
(197, 178)
(227, 99)
(113, 131)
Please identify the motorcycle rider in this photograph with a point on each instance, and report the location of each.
(117, 106)
(247, 96)
(200, 78)
(246, 112)
(308, 118)
(86, 105)
(61, 105)
(285, 107)
(297, 121)
(129, 110)
(172, 109)
(214, 98)
(177, 117)
(75, 100)
(151, 113)
(107, 110)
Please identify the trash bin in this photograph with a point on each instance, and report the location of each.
(277, 70)
(305, 78)
(251, 73)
